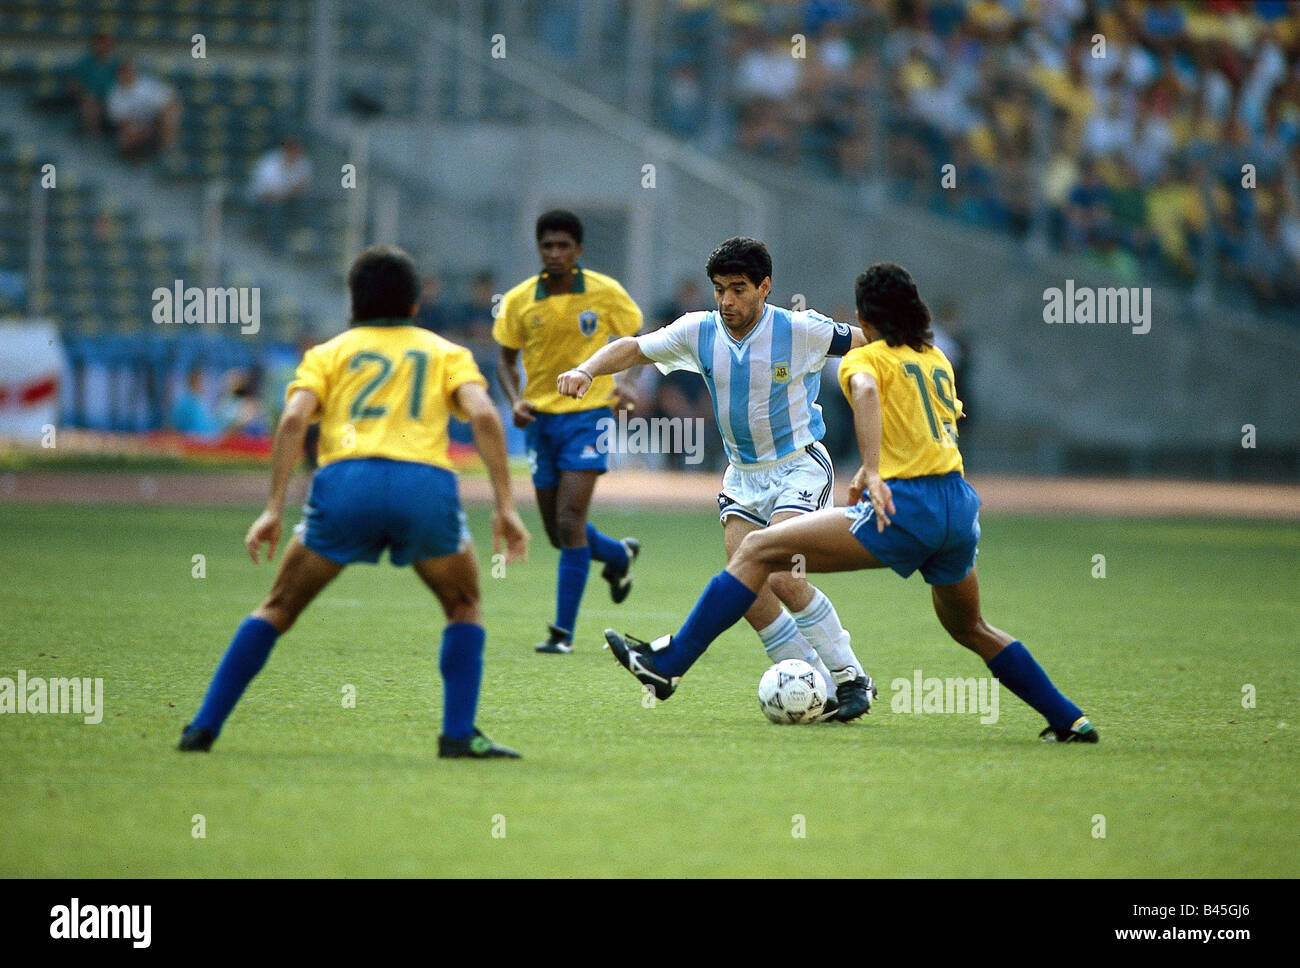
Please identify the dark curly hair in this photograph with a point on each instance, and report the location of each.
(740, 256)
(888, 300)
(560, 220)
(383, 283)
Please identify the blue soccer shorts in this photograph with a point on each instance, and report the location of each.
(566, 442)
(935, 528)
(358, 507)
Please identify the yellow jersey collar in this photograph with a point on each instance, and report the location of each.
(579, 284)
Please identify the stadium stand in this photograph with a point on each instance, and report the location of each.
(1017, 97)
(1126, 166)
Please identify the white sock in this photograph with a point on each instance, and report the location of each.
(820, 625)
(783, 640)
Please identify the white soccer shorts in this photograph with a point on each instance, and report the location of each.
(802, 482)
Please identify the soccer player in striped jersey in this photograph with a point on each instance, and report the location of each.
(762, 365)
(913, 511)
(383, 391)
(553, 319)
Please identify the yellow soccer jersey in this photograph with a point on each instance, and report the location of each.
(918, 407)
(386, 391)
(556, 333)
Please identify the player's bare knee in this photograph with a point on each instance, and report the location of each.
(459, 597)
(285, 603)
(751, 557)
(570, 528)
(276, 614)
(785, 584)
(746, 551)
(971, 633)
(465, 611)
(761, 547)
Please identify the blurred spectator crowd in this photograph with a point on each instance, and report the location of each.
(1115, 128)
(113, 97)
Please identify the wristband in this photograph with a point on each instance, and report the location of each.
(585, 373)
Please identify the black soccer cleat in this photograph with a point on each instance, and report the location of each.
(637, 657)
(1081, 731)
(620, 579)
(829, 709)
(558, 642)
(855, 697)
(196, 739)
(476, 747)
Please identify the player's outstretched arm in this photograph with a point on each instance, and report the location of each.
(613, 357)
(865, 398)
(286, 451)
(490, 439)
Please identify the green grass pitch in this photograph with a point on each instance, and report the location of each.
(1164, 653)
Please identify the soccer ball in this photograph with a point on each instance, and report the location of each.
(791, 692)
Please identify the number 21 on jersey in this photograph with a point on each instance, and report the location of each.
(361, 409)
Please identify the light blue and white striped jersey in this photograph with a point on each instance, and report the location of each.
(764, 387)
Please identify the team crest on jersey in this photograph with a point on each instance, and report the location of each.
(587, 322)
(780, 372)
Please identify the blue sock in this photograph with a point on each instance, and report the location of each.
(461, 665)
(244, 659)
(724, 603)
(606, 549)
(574, 565)
(1017, 670)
